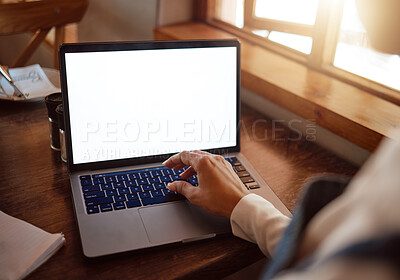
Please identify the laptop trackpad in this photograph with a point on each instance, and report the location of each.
(171, 223)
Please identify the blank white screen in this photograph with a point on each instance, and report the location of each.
(127, 104)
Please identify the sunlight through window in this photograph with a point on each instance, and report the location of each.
(297, 42)
(231, 11)
(354, 54)
(297, 11)
(291, 23)
(261, 33)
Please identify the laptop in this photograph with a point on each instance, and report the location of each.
(128, 107)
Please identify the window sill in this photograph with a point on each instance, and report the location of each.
(344, 109)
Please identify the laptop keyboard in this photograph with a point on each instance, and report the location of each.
(141, 187)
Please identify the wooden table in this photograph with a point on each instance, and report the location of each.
(35, 187)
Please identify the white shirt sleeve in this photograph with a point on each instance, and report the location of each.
(256, 220)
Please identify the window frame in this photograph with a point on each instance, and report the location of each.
(325, 34)
(250, 19)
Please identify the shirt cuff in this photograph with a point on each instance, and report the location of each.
(255, 219)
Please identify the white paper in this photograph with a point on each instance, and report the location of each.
(24, 247)
(31, 80)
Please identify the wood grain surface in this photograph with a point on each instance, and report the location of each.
(35, 187)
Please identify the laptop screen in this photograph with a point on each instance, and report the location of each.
(126, 104)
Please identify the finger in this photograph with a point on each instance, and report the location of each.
(174, 160)
(185, 157)
(179, 166)
(201, 152)
(188, 173)
(183, 188)
(171, 162)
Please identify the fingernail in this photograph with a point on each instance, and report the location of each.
(164, 161)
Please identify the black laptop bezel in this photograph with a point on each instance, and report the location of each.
(123, 46)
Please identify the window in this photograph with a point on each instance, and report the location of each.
(289, 27)
(324, 34)
(354, 54)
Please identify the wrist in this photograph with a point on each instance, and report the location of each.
(234, 203)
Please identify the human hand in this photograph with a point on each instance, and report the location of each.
(219, 188)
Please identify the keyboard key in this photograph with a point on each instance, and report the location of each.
(131, 183)
(107, 186)
(97, 201)
(119, 185)
(154, 180)
(136, 189)
(119, 205)
(157, 193)
(132, 196)
(252, 186)
(234, 161)
(123, 177)
(175, 177)
(85, 177)
(119, 198)
(144, 194)
(166, 178)
(156, 173)
(161, 199)
(159, 186)
(123, 191)
(147, 187)
(143, 182)
(110, 179)
(178, 171)
(239, 168)
(154, 200)
(168, 172)
(247, 179)
(168, 191)
(87, 182)
(134, 176)
(193, 181)
(90, 195)
(92, 209)
(133, 203)
(98, 180)
(243, 174)
(106, 207)
(145, 174)
(93, 188)
(111, 192)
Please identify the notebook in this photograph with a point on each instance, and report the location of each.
(24, 247)
(128, 107)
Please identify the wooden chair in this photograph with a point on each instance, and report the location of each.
(39, 17)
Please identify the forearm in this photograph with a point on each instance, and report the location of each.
(257, 220)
